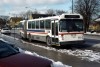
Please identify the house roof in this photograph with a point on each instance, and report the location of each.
(41, 15)
(16, 18)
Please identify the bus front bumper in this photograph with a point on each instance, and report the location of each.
(72, 42)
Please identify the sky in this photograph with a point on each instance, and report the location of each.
(11, 7)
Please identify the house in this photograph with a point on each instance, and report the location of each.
(95, 26)
(14, 21)
(41, 15)
(3, 21)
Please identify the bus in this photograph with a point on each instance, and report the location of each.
(55, 30)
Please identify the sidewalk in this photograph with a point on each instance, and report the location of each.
(94, 33)
(92, 39)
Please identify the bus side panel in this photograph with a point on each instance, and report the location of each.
(21, 33)
(38, 37)
(25, 29)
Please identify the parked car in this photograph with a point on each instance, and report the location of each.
(5, 31)
(11, 57)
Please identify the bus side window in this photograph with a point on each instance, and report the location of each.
(29, 25)
(41, 24)
(48, 24)
(33, 24)
(37, 24)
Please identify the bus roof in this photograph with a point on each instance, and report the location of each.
(63, 16)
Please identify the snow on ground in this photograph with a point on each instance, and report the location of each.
(3, 40)
(83, 54)
(94, 33)
(2, 35)
(88, 55)
(8, 39)
(54, 64)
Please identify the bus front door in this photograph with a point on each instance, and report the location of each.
(54, 32)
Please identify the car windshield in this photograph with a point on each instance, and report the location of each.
(70, 25)
(6, 50)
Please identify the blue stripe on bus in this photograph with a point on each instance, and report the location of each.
(36, 30)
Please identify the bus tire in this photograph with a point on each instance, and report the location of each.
(48, 41)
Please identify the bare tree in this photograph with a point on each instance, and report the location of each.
(27, 14)
(59, 12)
(50, 11)
(87, 8)
(2, 22)
(22, 14)
(36, 12)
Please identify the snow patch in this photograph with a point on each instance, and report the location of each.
(84, 54)
(4, 40)
(59, 64)
(88, 55)
(54, 64)
(2, 35)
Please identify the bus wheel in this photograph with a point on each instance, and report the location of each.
(48, 41)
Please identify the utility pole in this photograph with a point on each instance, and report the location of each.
(72, 7)
(26, 17)
(29, 13)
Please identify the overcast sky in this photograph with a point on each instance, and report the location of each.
(15, 6)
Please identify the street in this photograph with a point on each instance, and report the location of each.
(62, 33)
(75, 56)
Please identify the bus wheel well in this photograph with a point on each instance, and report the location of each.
(47, 37)
(48, 40)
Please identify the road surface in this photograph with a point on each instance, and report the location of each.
(74, 56)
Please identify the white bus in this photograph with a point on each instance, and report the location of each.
(56, 30)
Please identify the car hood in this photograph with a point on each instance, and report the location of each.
(24, 60)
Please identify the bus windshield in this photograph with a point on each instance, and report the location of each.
(71, 25)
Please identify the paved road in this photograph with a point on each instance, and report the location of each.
(92, 36)
(57, 56)
(93, 40)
